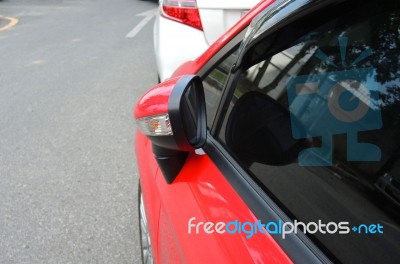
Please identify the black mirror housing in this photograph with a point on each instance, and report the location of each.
(175, 126)
(187, 113)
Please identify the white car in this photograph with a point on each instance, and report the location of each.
(185, 28)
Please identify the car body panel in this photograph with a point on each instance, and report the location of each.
(155, 101)
(147, 168)
(184, 199)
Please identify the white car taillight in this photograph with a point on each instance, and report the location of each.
(183, 11)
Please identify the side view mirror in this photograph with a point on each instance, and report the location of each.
(259, 130)
(187, 113)
(173, 116)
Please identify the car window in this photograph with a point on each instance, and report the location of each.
(215, 81)
(314, 117)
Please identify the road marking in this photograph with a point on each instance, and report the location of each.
(13, 22)
(148, 15)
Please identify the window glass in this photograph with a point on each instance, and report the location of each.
(315, 118)
(214, 83)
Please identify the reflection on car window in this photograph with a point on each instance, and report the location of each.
(315, 118)
(214, 82)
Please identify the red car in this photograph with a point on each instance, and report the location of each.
(280, 143)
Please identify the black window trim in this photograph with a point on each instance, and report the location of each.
(221, 55)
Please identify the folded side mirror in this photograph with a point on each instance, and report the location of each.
(173, 116)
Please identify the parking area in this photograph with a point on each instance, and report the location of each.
(69, 77)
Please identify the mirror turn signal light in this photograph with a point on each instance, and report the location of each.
(157, 125)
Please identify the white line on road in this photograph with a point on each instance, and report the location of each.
(148, 15)
(13, 22)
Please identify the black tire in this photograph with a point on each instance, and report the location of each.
(145, 244)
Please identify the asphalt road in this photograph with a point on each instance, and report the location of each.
(69, 78)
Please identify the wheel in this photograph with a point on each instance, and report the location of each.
(145, 244)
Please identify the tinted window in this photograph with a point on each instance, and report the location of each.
(315, 118)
